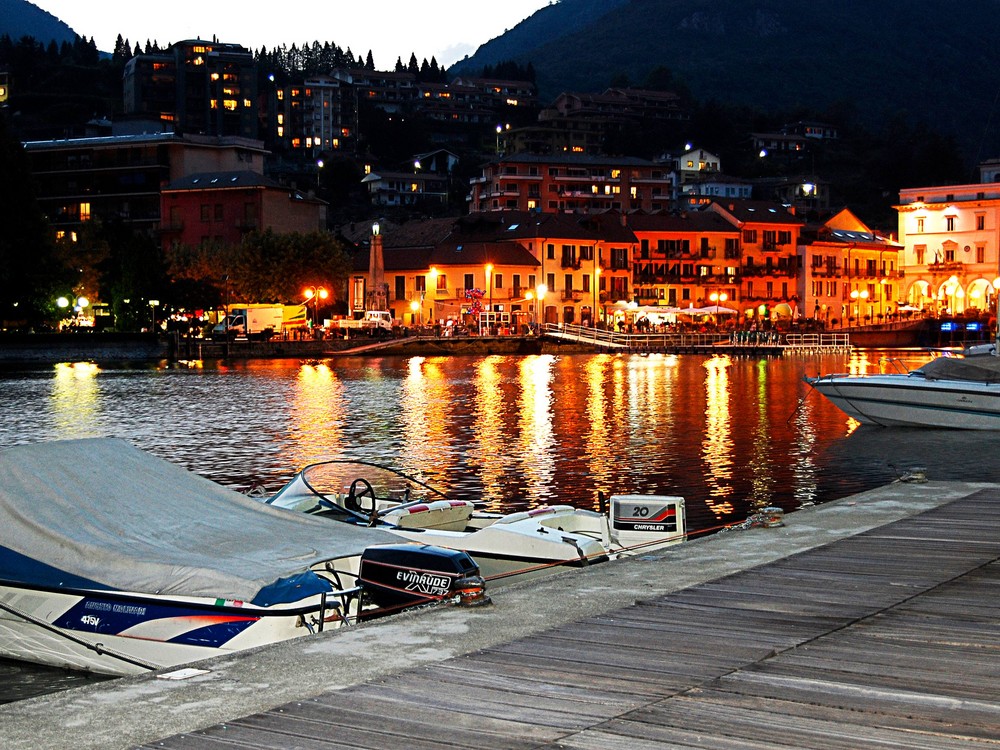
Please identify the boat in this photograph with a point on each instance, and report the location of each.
(957, 392)
(503, 545)
(115, 561)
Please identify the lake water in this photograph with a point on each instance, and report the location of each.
(731, 435)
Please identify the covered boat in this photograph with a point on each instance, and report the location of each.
(116, 561)
(949, 392)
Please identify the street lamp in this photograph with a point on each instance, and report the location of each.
(153, 303)
(996, 286)
(415, 309)
(540, 291)
(315, 294)
(718, 297)
(597, 290)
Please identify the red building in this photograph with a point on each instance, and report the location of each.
(221, 207)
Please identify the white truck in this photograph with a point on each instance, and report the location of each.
(253, 322)
(374, 322)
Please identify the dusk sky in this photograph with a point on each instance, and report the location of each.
(447, 30)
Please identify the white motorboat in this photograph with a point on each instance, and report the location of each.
(947, 392)
(502, 544)
(118, 562)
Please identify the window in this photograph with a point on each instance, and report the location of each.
(498, 281)
(949, 223)
(750, 236)
(218, 212)
(568, 282)
(84, 212)
(420, 283)
(442, 282)
(550, 252)
(980, 253)
(920, 224)
(920, 251)
(980, 222)
(205, 212)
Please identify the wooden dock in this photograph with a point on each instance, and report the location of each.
(887, 639)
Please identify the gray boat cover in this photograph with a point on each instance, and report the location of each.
(980, 369)
(102, 510)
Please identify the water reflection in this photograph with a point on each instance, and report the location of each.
(317, 415)
(75, 397)
(535, 434)
(717, 442)
(727, 434)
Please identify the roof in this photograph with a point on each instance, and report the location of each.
(757, 212)
(688, 221)
(222, 181)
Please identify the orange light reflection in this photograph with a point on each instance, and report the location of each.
(537, 439)
(487, 447)
(717, 444)
(425, 403)
(317, 411)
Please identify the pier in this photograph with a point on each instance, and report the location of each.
(866, 622)
(767, 343)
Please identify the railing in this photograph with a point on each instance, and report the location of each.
(818, 340)
(674, 341)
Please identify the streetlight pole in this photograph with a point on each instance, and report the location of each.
(540, 291)
(315, 294)
(489, 286)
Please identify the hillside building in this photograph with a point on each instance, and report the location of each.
(197, 87)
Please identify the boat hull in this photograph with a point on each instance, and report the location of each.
(118, 635)
(913, 401)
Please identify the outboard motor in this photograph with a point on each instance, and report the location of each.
(398, 576)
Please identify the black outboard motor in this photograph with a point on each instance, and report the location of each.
(398, 576)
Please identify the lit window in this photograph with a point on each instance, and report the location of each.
(84, 212)
(229, 104)
(281, 119)
(281, 131)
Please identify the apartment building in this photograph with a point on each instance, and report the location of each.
(850, 274)
(769, 240)
(571, 184)
(951, 246)
(199, 87)
(118, 177)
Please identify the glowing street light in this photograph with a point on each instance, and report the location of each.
(540, 291)
(315, 294)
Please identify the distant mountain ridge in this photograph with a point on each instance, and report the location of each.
(876, 58)
(19, 18)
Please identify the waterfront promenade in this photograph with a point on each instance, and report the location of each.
(866, 622)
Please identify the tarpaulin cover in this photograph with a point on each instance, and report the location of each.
(102, 510)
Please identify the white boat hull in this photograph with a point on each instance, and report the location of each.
(117, 635)
(913, 401)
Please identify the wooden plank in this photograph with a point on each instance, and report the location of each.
(854, 646)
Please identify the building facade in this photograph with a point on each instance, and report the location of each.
(205, 88)
(951, 240)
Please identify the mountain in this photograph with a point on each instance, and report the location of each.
(876, 60)
(19, 18)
